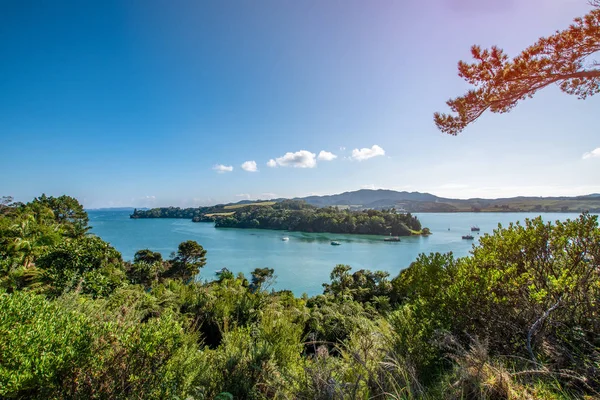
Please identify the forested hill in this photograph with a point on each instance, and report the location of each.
(426, 202)
(168, 212)
(368, 196)
(195, 212)
(293, 215)
(404, 201)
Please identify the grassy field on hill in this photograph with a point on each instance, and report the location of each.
(222, 214)
(236, 206)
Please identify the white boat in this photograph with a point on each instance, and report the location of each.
(285, 238)
(221, 271)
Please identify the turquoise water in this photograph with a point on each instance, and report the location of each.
(304, 262)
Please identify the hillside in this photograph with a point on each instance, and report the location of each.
(367, 197)
(426, 202)
(402, 201)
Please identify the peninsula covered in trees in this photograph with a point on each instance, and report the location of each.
(293, 215)
(296, 215)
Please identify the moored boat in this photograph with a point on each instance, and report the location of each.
(468, 237)
(392, 239)
(334, 243)
(285, 238)
(475, 229)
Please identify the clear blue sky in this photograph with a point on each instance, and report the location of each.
(142, 103)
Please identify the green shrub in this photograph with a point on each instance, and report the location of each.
(41, 345)
(88, 265)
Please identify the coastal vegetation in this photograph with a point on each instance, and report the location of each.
(517, 319)
(293, 215)
(192, 212)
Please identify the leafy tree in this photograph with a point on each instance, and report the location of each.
(341, 281)
(262, 276)
(529, 290)
(363, 286)
(531, 268)
(333, 321)
(68, 211)
(6, 204)
(24, 238)
(147, 256)
(188, 261)
(500, 83)
(88, 265)
(147, 267)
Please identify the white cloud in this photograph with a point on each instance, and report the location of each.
(299, 159)
(326, 156)
(272, 163)
(591, 154)
(342, 148)
(366, 153)
(268, 195)
(243, 195)
(249, 166)
(220, 168)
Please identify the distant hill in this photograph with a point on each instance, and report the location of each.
(386, 199)
(114, 209)
(366, 196)
(427, 202)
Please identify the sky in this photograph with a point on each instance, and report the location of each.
(185, 103)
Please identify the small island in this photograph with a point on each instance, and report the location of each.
(297, 215)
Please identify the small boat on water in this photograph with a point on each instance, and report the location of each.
(475, 229)
(334, 243)
(285, 238)
(221, 271)
(392, 239)
(468, 237)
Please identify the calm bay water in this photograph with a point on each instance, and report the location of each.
(304, 262)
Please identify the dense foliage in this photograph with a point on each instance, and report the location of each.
(499, 83)
(169, 212)
(519, 318)
(298, 216)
